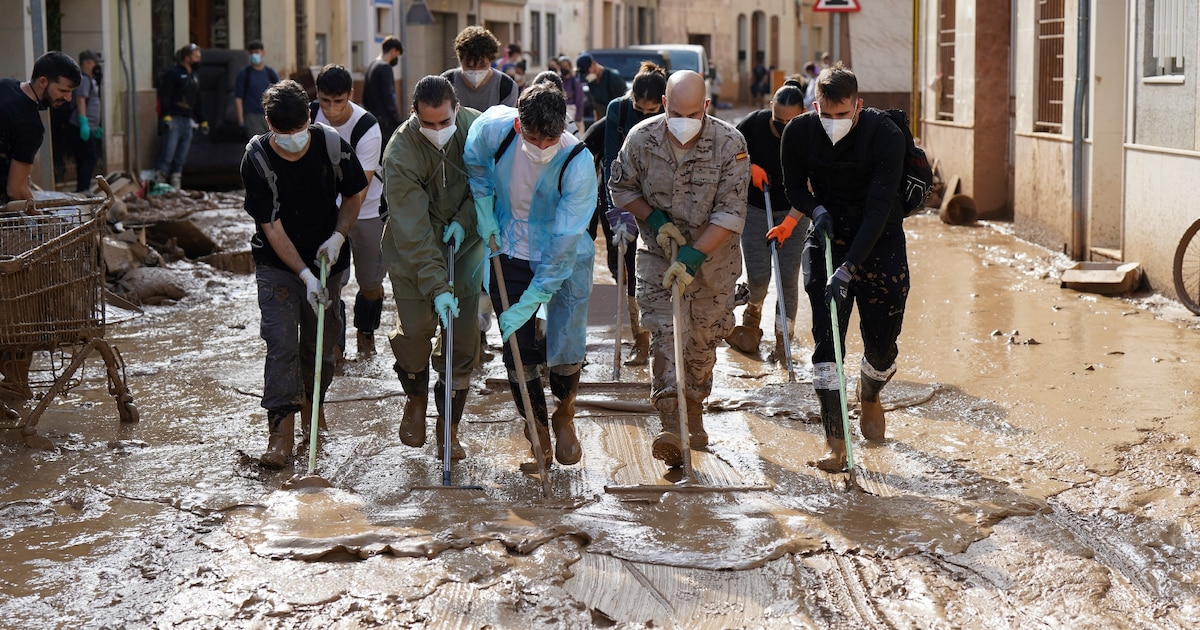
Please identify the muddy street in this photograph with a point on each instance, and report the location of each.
(1040, 471)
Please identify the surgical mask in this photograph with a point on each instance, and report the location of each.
(292, 143)
(684, 129)
(439, 137)
(536, 155)
(591, 77)
(255, 59)
(475, 77)
(837, 128)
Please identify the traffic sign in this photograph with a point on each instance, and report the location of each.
(837, 6)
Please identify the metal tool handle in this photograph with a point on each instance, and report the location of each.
(837, 353)
(783, 318)
(448, 379)
(621, 284)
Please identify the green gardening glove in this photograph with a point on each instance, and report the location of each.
(485, 219)
(97, 132)
(85, 132)
(519, 313)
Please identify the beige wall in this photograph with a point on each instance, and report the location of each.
(1159, 204)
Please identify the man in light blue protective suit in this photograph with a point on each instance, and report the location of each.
(535, 193)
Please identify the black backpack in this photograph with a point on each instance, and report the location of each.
(361, 128)
(512, 135)
(917, 181)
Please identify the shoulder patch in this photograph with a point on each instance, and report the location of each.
(741, 156)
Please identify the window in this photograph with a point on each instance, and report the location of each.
(383, 22)
(535, 36)
(945, 60)
(1165, 20)
(1049, 82)
(551, 36)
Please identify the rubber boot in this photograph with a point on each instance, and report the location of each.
(697, 436)
(641, 338)
(306, 418)
(281, 430)
(831, 418)
(537, 398)
(666, 447)
(566, 444)
(412, 423)
(745, 338)
(458, 402)
(874, 425)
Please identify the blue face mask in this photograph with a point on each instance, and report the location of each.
(255, 59)
(292, 143)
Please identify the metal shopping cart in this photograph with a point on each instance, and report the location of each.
(52, 299)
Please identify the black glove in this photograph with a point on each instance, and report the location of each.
(838, 286)
(823, 221)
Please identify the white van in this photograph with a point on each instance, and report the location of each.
(685, 57)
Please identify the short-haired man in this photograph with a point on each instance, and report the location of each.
(379, 87)
(248, 89)
(604, 84)
(55, 76)
(430, 204)
(535, 193)
(335, 88)
(298, 223)
(479, 85)
(684, 176)
(859, 211)
(179, 94)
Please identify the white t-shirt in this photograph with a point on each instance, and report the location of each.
(368, 151)
(525, 176)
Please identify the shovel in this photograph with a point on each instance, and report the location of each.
(837, 354)
(311, 479)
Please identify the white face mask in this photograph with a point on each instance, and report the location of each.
(536, 155)
(439, 137)
(684, 129)
(475, 77)
(292, 143)
(837, 128)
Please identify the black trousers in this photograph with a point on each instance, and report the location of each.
(879, 289)
(517, 276)
(87, 154)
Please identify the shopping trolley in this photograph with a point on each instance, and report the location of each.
(52, 297)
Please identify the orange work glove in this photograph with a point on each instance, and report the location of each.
(758, 177)
(783, 231)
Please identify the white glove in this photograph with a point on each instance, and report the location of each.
(331, 248)
(317, 297)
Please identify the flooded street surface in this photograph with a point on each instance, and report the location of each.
(1040, 471)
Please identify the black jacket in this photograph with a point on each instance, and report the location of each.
(179, 93)
(379, 97)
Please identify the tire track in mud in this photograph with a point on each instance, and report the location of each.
(849, 603)
(1005, 604)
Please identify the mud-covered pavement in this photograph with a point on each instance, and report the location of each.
(1040, 471)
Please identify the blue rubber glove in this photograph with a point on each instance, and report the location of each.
(454, 232)
(97, 133)
(519, 313)
(823, 221)
(485, 219)
(838, 286)
(623, 225)
(85, 132)
(446, 307)
(683, 270)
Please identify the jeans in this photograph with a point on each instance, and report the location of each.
(173, 151)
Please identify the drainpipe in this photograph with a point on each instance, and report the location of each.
(915, 98)
(1078, 212)
(125, 33)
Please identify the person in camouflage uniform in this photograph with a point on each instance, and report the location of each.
(683, 175)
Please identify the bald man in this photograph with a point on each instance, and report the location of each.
(683, 174)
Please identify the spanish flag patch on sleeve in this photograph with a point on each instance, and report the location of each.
(741, 156)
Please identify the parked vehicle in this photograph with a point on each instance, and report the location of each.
(625, 61)
(685, 57)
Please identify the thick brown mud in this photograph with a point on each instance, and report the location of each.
(1040, 471)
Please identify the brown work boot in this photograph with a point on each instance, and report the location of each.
(412, 423)
(835, 460)
(746, 337)
(697, 436)
(306, 418)
(537, 398)
(281, 430)
(872, 422)
(641, 349)
(366, 344)
(666, 447)
(566, 444)
(457, 404)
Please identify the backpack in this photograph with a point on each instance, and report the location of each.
(562, 170)
(256, 150)
(506, 86)
(271, 76)
(361, 128)
(917, 180)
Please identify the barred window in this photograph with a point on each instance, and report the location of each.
(535, 36)
(1165, 19)
(945, 60)
(1051, 25)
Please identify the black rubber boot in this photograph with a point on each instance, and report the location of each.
(537, 398)
(566, 444)
(412, 423)
(458, 402)
(831, 419)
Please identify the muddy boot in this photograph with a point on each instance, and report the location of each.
(412, 423)
(367, 313)
(874, 425)
(666, 447)
(641, 337)
(697, 436)
(457, 404)
(366, 344)
(537, 397)
(281, 430)
(831, 418)
(306, 418)
(566, 445)
(745, 338)
(779, 352)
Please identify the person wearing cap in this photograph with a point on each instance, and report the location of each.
(605, 84)
(573, 87)
(86, 121)
(179, 95)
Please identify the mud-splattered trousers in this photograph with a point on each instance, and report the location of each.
(879, 288)
(289, 326)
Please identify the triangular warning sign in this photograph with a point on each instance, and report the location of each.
(846, 6)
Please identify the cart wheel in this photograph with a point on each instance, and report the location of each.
(1187, 269)
(128, 412)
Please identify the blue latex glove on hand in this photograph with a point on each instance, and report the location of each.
(331, 248)
(446, 307)
(485, 220)
(97, 133)
(838, 286)
(623, 225)
(518, 314)
(85, 131)
(823, 221)
(313, 291)
(454, 232)
(683, 270)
